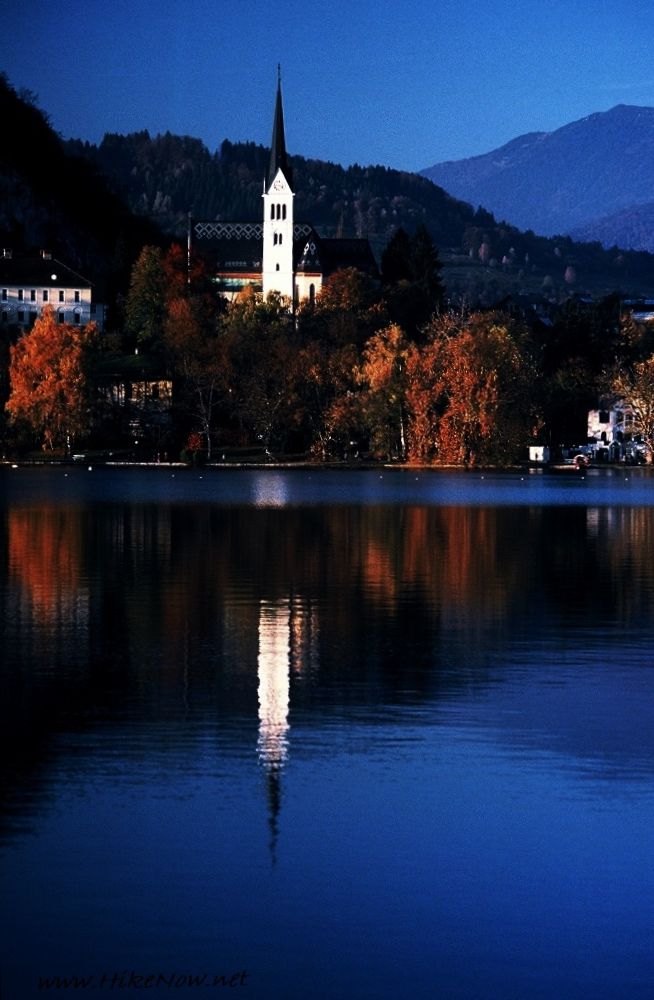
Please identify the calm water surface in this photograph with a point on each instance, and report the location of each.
(327, 734)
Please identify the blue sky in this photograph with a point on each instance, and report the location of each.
(403, 84)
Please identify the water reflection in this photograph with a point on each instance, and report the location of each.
(438, 721)
(201, 613)
(273, 667)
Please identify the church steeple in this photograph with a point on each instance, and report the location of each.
(277, 266)
(278, 156)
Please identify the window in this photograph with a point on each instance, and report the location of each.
(21, 316)
(604, 416)
(277, 267)
(5, 316)
(312, 294)
(61, 317)
(4, 294)
(272, 211)
(275, 239)
(33, 295)
(77, 296)
(77, 317)
(45, 294)
(283, 211)
(20, 294)
(279, 211)
(61, 295)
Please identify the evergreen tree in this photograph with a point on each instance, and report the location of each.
(145, 306)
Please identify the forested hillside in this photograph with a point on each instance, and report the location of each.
(165, 177)
(96, 206)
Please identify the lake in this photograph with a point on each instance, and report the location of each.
(331, 734)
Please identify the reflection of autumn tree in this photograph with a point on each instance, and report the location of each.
(45, 548)
(471, 391)
(49, 388)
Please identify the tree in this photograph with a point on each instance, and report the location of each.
(383, 376)
(261, 349)
(396, 263)
(193, 347)
(471, 392)
(49, 388)
(198, 357)
(145, 305)
(411, 271)
(635, 385)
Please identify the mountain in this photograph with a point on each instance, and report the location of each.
(631, 227)
(556, 182)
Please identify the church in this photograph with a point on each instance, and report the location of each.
(277, 254)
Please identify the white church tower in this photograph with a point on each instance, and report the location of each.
(278, 274)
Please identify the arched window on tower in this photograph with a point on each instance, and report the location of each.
(274, 239)
(272, 211)
(280, 238)
(283, 211)
(312, 294)
(279, 211)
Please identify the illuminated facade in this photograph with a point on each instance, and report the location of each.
(277, 254)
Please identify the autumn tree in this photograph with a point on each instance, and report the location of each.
(327, 393)
(382, 376)
(197, 356)
(260, 351)
(49, 391)
(347, 310)
(634, 384)
(193, 348)
(470, 394)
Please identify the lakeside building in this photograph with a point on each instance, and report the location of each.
(29, 284)
(277, 254)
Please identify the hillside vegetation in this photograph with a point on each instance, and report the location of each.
(165, 177)
(96, 206)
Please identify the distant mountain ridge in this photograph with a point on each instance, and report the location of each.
(556, 182)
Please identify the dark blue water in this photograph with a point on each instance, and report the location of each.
(324, 734)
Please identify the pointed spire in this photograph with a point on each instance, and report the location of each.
(278, 155)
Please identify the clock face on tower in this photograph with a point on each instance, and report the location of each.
(278, 185)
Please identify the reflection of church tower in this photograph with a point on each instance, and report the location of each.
(274, 688)
(278, 197)
(287, 643)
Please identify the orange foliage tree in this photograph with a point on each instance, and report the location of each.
(48, 383)
(470, 391)
(383, 378)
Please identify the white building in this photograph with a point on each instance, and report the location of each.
(30, 284)
(277, 254)
(613, 432)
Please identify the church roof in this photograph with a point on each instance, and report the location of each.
(279, 159)
(237, 248)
